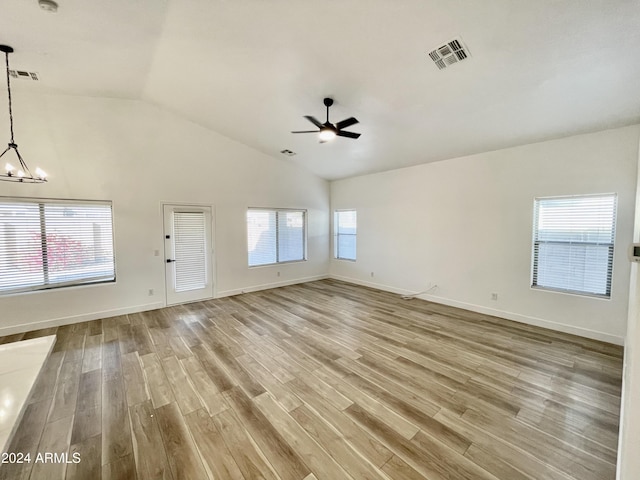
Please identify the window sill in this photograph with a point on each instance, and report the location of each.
(277, 263)
(573, 293)
(58, 288)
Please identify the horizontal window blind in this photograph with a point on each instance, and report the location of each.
(46, 244)
(189, 233)
(275, 236)
(290, 236)
(573, 243)
(345, 230)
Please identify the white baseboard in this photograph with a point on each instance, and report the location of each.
(266, 286)
(377, 286)
(516, 317)
(540, 322)
(57, 322)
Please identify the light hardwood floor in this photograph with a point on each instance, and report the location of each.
(323, 380)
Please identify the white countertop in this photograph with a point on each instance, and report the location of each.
(20, 364)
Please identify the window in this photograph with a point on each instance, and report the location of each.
(190, 250)
(48, 243)
(344, 234)
(573, 243)
(275, 236)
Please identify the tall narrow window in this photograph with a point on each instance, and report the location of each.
(50, 243)
(345, 227)
(573, 241)
(275, 236)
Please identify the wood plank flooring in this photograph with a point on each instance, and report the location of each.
(324, 380)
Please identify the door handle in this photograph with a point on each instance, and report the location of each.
(170, 260)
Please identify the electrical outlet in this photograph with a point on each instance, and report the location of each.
(278, 274)
(494, 296)
(151, 292)
(156, 253)
(371, 274)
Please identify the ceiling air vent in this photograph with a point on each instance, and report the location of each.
(24, 75)
(451, 52)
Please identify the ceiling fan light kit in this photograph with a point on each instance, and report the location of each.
(326, 134)
(21, 173)
(327, 131)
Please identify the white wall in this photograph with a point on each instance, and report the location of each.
(138, 156)
(466, 225)
(629, 439)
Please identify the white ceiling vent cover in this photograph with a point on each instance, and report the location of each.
(24, 75)
(450, 53)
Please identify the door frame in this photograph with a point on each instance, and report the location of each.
(164, 257)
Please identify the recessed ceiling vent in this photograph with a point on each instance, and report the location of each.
(450, 53)
(24, 75)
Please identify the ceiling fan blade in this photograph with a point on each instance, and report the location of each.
(306, 131)
(346, 123)
(313, 120)
(342, 133)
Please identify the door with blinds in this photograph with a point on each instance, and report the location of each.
(188, 253)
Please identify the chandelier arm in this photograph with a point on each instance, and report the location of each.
(22, 162)
(5, 151)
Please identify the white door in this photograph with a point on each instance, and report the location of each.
(188, 253)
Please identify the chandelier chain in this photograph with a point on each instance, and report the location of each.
(6, 56)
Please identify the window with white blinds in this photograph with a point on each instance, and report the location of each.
(275, 236)
(190, 250)
(345, 228)
(573, 241)
(50, 243)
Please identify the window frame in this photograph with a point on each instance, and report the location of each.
(336, 234)
(535, 243)
(41, 202)
(277, 235)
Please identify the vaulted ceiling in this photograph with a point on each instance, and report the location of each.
(250, 69)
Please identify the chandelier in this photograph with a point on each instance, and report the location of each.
(21, 173)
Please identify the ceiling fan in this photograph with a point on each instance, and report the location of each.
(327, 130)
